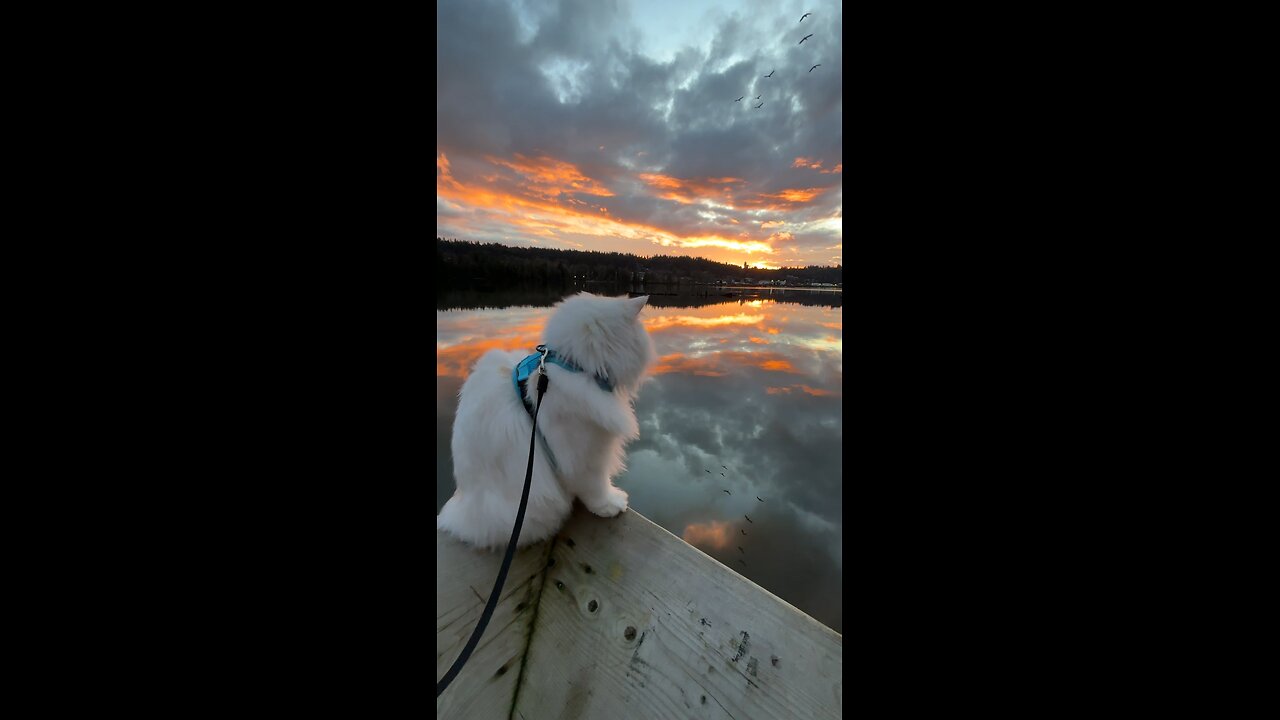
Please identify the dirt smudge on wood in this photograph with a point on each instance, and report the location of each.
(743, 646)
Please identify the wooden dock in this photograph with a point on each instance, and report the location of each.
(618, 618)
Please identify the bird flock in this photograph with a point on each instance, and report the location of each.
(748, 517)
(771, 72)
(726, 468)
(757, 107)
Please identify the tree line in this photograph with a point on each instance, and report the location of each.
(461, 263)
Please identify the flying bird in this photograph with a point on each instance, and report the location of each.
(757, 97)
(760, 106)
(806, 37)
(758, 498)
(726, 492)
(721, 474)
(744, 532)
(748, 519)
(771, 72)
(802, 17)
(724, 467)
(815, 66)
(705, 470)
(744, 552)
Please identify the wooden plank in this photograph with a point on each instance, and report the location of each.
(635, 623)
(464, 578)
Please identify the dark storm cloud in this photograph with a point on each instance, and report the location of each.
(578, 28)
(493, 96)
(490, 82)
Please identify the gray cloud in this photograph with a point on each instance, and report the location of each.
(565, 79)
(701, 423)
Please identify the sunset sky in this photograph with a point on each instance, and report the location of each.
(611, 125)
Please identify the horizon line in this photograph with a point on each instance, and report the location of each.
(641, 257)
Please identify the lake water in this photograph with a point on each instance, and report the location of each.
(745, 398)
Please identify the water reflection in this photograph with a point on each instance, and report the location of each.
(741, 418)
(663, 297)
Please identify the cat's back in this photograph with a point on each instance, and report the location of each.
(490, 418)
(490, 382)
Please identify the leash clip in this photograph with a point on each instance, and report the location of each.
(542, 360)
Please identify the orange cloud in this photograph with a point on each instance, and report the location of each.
(659, 180)
(797, 195)
(677, 363)
(758, 341)
(457, 360)
(476, 338)
(535, 197)
(777, 390)
(691, 190)
(713, 534)
(528, 206)
(718, 364)
(816, 165)
(770, 224)
(662, 322)
(746, 246)
(549, 177)
(782, 201)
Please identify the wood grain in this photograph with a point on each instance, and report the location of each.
(464, 578)
(635, 623)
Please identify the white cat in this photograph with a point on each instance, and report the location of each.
(586, 419)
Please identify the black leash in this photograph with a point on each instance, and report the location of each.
(506, 561)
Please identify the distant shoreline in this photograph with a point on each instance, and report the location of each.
(776, 287)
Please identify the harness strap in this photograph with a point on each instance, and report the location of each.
(528, 366)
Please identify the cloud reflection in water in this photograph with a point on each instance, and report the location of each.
(751, 385)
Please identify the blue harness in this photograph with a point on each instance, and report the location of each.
(528, 367)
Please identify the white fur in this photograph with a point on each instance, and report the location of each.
(585, 426)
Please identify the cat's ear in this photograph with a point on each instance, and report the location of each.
(637, 303)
